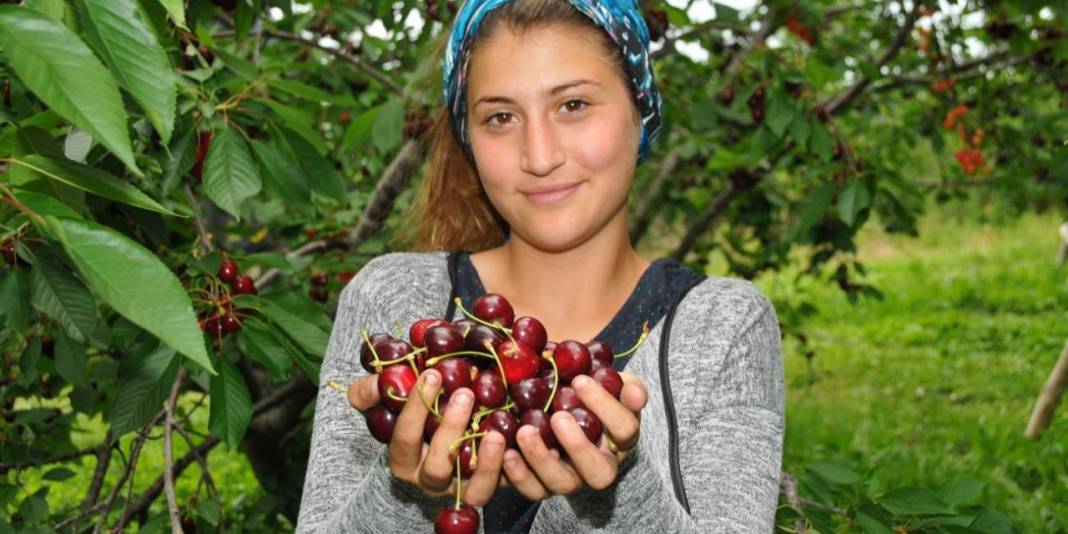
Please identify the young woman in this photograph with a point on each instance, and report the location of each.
(549, 107)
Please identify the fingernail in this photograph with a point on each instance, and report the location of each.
(580, 381)
(565, 422)
(431, 378)
(463, 398)
(509, 461)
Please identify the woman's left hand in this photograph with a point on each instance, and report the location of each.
(544, 474)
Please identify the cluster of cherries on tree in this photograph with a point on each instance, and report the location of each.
(517, 375)
(220, 318)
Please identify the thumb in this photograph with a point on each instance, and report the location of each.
(363, 392)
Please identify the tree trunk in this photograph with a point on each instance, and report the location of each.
(1049, 397)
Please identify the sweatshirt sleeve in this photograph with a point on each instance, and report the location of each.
(731, 473)
(348, 486)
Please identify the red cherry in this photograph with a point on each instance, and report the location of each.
(345, 276)
(489, 389)
(572, 359)
(431, 426)
(503, 422)
(540, 420)
(214, 328)
(451, 520)
(380, 421)
(478, 335)
(417, 332)
(443, 339)
(455, 374)
(467, 457)
(530, 331)
(366, 357)
(231, 323)
(202, 151)
(244, 286)
(397, 380)
(8, 251)
(319, 279)
(588, 423)
(530, 394)
(228, 270)
(392, 349)
(518, 360)
(609, 379)
(602, 352)
(566, 400)
(318, 294)
(492, 307)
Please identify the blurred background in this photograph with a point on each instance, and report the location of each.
(188, 185)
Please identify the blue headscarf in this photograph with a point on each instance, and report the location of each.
(619, 18)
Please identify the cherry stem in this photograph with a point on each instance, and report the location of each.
(336, 386)
(611, 444)
(377, 364)
(481, 414)
(500, 366)
(466, 437)
(394, 396)
(436, 359)
(494, 324)
(400, 329)
(556, 380)
(458, 482)
(419, 391)
(641, 339)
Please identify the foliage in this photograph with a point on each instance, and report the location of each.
(146, 143)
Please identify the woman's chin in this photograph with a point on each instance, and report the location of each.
(552, 237)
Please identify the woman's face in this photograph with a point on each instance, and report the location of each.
(554, 134)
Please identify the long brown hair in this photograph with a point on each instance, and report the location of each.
(451, 211)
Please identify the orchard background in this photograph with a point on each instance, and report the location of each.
(891, 173)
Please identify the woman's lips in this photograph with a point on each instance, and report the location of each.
(552, 194)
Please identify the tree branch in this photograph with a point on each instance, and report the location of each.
(652, 195)
(135, 453)
(767, 27)
(51, 460)
(168, 453)
(705, 222)
(1049, 397)
(103, 460)
(150, 494)
(969, 69)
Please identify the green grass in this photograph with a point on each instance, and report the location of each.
(938, 379)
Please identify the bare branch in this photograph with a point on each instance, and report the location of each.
(198, 220)
(127, 472)
(51, 460)
(103, 460)
(1049, 397)
(168, 453)
(969, 70)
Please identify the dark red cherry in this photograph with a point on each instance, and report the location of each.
(452, 520)
(566, 400)
(463, 326)
(366, 356)
(455, 374)
(489, 389)
(418, 330)
(442, 339)
(572, 359)
(8, 250)
(540, 420)
(549, 346)
(609, 379)
(228, 270)
(518, 360)
(530, 331)
(394, 384)
(503, 422)
(380, 421)
(479, 334)
(601, 352)
(319, 279)
(244, 286)
(431, 426)
(549, 377)
(467, 457)
(494, 308)
(588, 423)
(392, 349)
(231, 323)
(530, 394)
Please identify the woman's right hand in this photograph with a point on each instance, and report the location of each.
(432, 467)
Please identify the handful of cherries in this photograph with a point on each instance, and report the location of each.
(517, 375)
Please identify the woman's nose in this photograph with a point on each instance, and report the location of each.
(542, 150)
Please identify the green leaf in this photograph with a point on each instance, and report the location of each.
(780, 113)
(15, 299)
(90, 179)
(261, 345)
(834, 472)
(135, 283)
(176, 9)
(298, 121)
(814, 205)
(870, 525)
(33, 509)
(281, 176)
(136, 59)
(179, 159)
(321, 175)
(58, 294)
(59, 474)
(854, 198)
(208, 510)
(961, 490)
(360, 129)
(309, 336)
(70, 358)
(992, 522)
(309, 367)
(303, 306)
(55, 9)
(58, 67)
(389, 126)
(45, 205)
(308, 92)
(231, 404)
(913, 501)
(142, 393)
(821, 142)
(241, 67)
(230, 176)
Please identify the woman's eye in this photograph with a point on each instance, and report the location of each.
(575, 105)
(491, 118)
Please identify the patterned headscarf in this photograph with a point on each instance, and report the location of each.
(619, 18)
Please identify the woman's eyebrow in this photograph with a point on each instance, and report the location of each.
(551, 92)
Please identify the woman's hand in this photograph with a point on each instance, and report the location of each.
(544, 474)
(432, 467)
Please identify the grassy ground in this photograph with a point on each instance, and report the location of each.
(939, 378)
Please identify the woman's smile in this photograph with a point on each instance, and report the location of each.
(550, 194)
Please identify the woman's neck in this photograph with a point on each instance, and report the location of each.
(575, 293)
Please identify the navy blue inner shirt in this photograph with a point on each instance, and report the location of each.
(508, 511)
